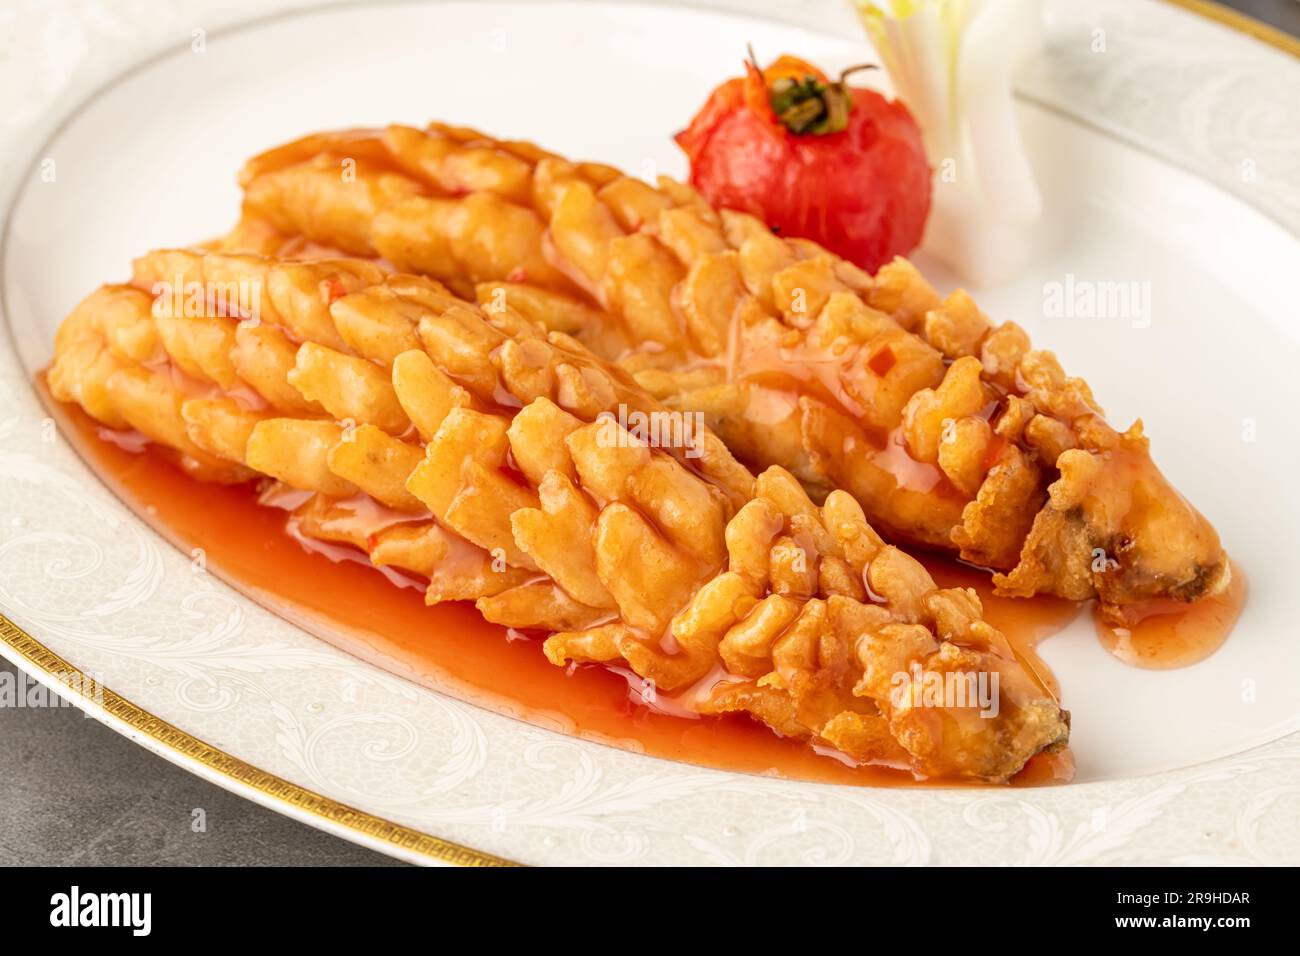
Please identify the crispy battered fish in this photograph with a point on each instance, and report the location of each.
(950, 431)
(476, 448)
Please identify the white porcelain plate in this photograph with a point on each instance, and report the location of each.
(1207, 358)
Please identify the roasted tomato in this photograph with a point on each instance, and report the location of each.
(813, 158)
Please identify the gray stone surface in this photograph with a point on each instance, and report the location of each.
(74, 792)
(1283, 14)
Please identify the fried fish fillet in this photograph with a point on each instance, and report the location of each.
(474, 447)
(952, 432)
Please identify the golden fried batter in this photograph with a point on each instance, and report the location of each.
(950, 430)
(475, 447)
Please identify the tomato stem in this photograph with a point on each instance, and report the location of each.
(812, 107)
(858, 68)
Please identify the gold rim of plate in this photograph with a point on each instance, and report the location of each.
(1242, 23)
(71, 680)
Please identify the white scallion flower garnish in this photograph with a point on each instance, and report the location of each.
(951, 62)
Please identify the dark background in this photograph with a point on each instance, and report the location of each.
(74, 792)
(1283, 14)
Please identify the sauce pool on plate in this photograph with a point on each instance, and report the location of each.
(1163, 635)
(333, 592)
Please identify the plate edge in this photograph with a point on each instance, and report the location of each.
(121, 714)
(90, 696)
(1241, 23)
